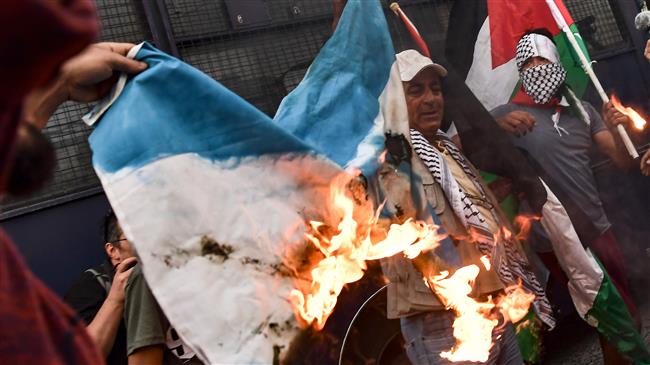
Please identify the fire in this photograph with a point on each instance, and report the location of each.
(486, 262)
(525, 223)
(346, 249)
(473, 325)
(476, 320)
(345, 254)
(514, 305)
(637, 120)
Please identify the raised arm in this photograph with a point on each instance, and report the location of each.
(86, 77)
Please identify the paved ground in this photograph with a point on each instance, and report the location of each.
(575, 343)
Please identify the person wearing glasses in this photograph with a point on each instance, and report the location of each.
(122, 315)
(98, 296)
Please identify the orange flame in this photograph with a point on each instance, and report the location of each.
(515, 303)
(486, 262)
(476, 320)
(346, 252)
(473, 325)
(637, 120)
(525, 223)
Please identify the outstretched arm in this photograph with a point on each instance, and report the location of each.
(86, 77)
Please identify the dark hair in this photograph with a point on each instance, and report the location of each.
(33, 162)
(111, 230)
(541, 31)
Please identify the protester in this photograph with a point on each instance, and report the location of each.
(557, 131)
(122, 315)
(464, 205)
(38, 36)
(98, 295)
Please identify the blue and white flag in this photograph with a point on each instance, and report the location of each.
(214, 194)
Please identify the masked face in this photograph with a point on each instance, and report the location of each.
(33, 161)
(542, 82)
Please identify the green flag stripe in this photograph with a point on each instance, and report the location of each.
(615, 322)
(577, 79)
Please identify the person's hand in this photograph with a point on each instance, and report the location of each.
(645, 163)
(518, 123)
(121, 277)
(90, 75)
(613, 117)
(646, 53)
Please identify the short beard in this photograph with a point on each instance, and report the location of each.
(33, 161)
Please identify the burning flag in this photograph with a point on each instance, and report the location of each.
(215, 196)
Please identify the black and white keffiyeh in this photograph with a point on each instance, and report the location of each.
(540, 82)
(543, 82)
(508, 262)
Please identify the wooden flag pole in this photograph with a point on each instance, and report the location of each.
(411, 28)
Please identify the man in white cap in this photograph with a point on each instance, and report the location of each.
(469, 213)
(557, 130)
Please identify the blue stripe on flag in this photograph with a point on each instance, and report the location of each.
(334, 107)
(217, 124)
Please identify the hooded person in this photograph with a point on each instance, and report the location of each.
(557, 131)
(38, 36)
(469, 213)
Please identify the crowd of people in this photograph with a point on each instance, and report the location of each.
(116, 318)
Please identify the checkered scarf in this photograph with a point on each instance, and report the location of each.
(544, 81)
(508, 262)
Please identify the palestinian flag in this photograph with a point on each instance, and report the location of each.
(494, 28)
(489, 67)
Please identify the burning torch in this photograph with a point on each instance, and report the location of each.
(586, 65)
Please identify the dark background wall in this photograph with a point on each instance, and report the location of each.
(59, 243)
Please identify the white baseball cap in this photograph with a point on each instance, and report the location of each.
(411, 62)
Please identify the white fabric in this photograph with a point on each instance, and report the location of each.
(491, 86)
(585, 276)
(222, 200)
(536, 45)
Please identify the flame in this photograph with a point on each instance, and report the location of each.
(346, 249)
(486, 262)
(345, 254)
(515, 303)
(525, 223)
(638, 121)
(476, 320)
(473, 325)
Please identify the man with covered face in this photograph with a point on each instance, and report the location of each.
(469, 213)
(557, 131)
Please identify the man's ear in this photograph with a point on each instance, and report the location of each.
(111, 250)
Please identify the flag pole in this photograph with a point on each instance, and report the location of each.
(411, 28)
(586, 65)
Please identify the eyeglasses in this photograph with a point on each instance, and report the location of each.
(117, 243)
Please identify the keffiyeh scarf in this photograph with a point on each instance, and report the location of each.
(510, 264)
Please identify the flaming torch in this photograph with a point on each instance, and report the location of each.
(637, 120)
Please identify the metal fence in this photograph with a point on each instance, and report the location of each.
(260, 49)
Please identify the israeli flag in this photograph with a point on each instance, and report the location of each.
(214, 194)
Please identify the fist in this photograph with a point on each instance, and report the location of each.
(518, 123)
(613, 117)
